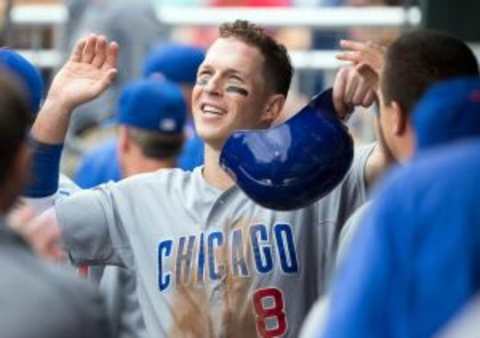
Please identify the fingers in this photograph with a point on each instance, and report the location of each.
(360, 90)
(360, 94)
(352, 88)
(78, 50)
(365, 53)
(369, 75)
(88, 52)
(96, 50)
(339, 91)
(369, 98)
(353, 45)
(353, 57)
(111, 56)
(100, 52)
(366, 70)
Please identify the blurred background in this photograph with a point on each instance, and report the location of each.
(45, 30)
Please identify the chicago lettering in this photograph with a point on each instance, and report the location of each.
(209, 256)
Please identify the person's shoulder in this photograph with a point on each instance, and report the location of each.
(459, 162)
(428, 188)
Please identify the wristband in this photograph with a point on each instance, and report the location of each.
(45, 169)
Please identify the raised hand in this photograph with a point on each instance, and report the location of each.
(368, 58)
(351, 89)
(357, 85)
(88, 72)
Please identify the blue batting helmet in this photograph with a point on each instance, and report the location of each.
(294, 164)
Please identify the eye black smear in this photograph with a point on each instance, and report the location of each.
(237, 90)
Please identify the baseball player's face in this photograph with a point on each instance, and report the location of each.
(230, 91)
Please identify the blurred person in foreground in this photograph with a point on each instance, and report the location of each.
(172, 62)
(416, 261)
(30, 286)
(32, 86)
(466, 324)
(27, 74)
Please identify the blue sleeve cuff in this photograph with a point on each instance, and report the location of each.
(45, 169)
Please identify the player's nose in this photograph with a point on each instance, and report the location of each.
(214, 86)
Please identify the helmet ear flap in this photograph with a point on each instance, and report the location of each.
(293, 164)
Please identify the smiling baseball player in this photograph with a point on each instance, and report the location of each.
(209, 262)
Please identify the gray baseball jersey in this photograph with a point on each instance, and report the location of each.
(117, 285)
(349, 230)
(211, 263)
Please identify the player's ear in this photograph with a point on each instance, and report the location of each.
(273, 108)
(399, 119)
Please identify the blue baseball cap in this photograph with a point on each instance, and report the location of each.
(448, 112)
(27, 74)
(177, 63)
(153, 105)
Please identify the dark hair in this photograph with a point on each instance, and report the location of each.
(15, 120)
(418, 59)
(156, 145)
(278, 68)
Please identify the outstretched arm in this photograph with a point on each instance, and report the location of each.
(88, 72)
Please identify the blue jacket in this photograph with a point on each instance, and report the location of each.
(100, 165)
(416, 260)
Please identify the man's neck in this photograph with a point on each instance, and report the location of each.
(213, 173)
(145, 165)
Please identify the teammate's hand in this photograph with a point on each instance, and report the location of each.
(41, 232)
(368, 58)
(351, 89)
(90, 69)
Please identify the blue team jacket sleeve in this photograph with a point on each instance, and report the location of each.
(414, 262)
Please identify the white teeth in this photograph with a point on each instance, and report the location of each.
(212, 110)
